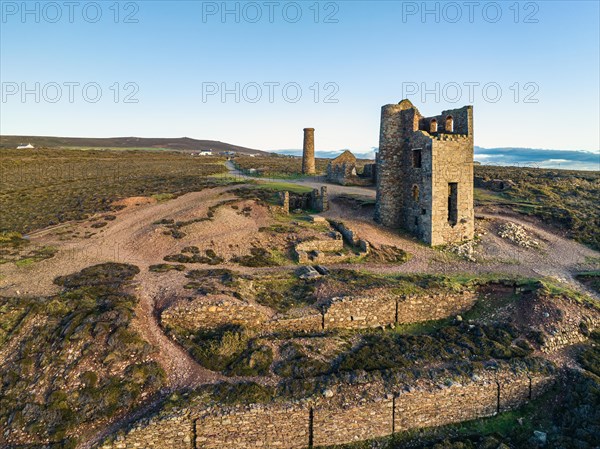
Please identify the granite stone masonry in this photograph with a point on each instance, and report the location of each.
(425, 173)
(308, 152)
(347, 414)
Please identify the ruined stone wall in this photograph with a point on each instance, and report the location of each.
(316, 200)
(352, 413)
(354, 422)
(329, 244)
(350, 312)
(170, 432)
(369, 171)
(497, 185)
(428, 408)
(284, 201)
(211, 312)
(319, 199)
(381, 309)
(359, 312)
(268, 426)
(414, 309)
(345, 175)
(568, 332)
(311, 322)
(350, 236)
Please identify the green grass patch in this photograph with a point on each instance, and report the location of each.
(284, 186)
(162, 197)
(284, 293)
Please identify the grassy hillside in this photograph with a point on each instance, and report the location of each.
(47, 187)
(565, 199)
(181, 143)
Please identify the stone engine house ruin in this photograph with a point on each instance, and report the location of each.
(425, 173)
(342, 170)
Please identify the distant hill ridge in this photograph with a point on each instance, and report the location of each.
(179, 143)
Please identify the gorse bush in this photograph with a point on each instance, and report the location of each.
(230, 349)
(567, 199)
(389, 350)
(55, 186)
(75, 358)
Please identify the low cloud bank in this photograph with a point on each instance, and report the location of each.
(532, 157)
(565, 159)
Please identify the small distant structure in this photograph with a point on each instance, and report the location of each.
(205, 153)
(25, 147)
(342, 170)
(497, 185)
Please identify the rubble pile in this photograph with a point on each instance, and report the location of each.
(518, 235)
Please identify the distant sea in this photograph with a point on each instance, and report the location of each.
(531, 157)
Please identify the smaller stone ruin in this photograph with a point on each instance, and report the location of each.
(317, 200)
(497, 185)
(342, 170)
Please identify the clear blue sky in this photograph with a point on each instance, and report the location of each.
(369, 55)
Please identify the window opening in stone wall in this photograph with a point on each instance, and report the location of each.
(452, 203)
(416, 158)
(449, 124)
(415, 192)
(433, 126)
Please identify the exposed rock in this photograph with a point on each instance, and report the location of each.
(322, 270)
(540, 437)
(307, 272)
(518, 235)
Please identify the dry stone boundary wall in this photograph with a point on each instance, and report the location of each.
(352, 414)
(349, 312)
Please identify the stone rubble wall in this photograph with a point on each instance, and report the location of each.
(349, 312)
(359, 312)
(356, 422)
(175, 432)
(312, 322)
(212, 312)
(328, 245)
(317, 200)
(350, 236)
(352, 414)
(369, 171)
(497, 185)
(414, 309)
(569, 333)
(355, 312)
(449, 405)
(270, 426)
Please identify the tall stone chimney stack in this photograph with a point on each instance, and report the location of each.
(308, 153)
